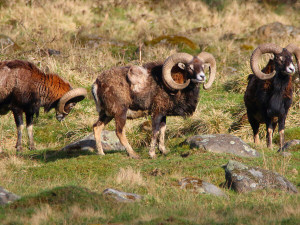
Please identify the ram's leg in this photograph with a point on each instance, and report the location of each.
(29, 126)
(120, 131)
(18, 115)
(255, 127)
(162, 131)
(269, 136)
(98, 127)
(156, 121)
(281, 126)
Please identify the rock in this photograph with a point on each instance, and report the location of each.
(242, 178)
(109, 140)
(121, 196)
(7, 44)
(7, 197)
(200, 186)
(222, 143)
(277, 30)
(172, 40)
(289, 144)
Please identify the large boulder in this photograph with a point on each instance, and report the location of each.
(109, 140)
(222, 143)
(200, 186)
(242, 178)
(7, 197)
(121, 196)
(277, 30)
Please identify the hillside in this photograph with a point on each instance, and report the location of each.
(78, 40)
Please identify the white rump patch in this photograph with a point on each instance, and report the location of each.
(138, 77)
(94, 92)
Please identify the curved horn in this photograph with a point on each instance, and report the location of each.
(209, 58)
(68, 96)
(262, 49)
(168, 65)
(294, 49)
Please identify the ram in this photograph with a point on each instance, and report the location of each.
(24, 89)
(159, 89)
(269, 93)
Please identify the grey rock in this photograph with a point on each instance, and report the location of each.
(121, 196)
(277, 30)
(289, 144)
(200, 186)
(242, 178)
(7, 44)
(222, 143)
(7, 197)
(109, 140)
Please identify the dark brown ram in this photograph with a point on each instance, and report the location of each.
(24, 89)
(169, 88)
(269, 93)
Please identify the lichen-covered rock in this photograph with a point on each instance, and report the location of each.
(242, 178)
(277, 30)
(199, 186)
(222, 143)
(7, 197)
(7, 44)
(121, 196)
(289, 144)
(109, 140)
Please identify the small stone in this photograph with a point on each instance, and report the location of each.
(289, 144)
(286, 154)
(121, 196)
(7, 197)
(201, 187)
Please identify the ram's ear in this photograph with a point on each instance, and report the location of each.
(181, 65)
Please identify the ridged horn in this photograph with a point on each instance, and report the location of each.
(77, 92)
(262, 49)
(209, 58)
(294, 49)
(168, 65)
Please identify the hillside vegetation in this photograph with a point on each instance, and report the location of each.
(93, 36)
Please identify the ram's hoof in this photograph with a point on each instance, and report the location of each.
(100, 153)
(164, 151)
(19, 148)
(134, 156)
(152, 155)
(32, 148)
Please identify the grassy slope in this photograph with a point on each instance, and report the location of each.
(30, 173)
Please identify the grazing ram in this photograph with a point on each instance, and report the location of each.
(269, 93)
(24, 89)
(159, 89)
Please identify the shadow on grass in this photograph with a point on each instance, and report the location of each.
(49, 155)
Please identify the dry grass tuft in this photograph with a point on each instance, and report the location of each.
(129, 176)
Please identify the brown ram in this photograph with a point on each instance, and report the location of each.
(169, 88)
(24, 89)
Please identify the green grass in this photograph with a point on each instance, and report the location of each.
(65, 187)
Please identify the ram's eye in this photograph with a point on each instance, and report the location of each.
(192, 67)
(281, 58)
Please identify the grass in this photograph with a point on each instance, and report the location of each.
(65, 188)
